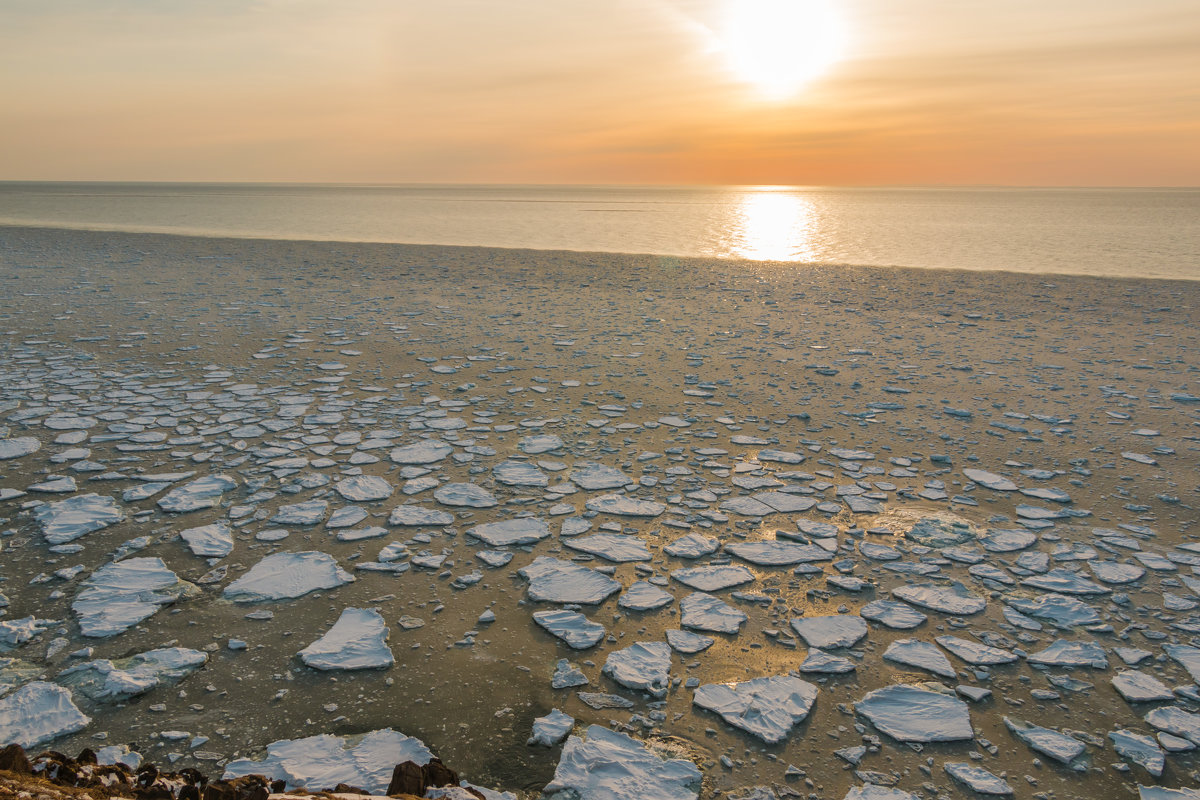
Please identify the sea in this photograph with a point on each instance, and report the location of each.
(1127, 233)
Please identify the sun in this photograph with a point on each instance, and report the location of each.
(778, 46)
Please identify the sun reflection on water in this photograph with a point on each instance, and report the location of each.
(775, 224)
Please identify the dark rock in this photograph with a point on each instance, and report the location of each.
(86, 756)
(345, 788)
(407, 778)
(14, 759)
(438, 774)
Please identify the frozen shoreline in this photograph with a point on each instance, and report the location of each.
(809, 421)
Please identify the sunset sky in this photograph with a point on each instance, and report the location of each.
(840, 92)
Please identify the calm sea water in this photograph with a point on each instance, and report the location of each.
(1110, 232)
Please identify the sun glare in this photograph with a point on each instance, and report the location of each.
(778, 46)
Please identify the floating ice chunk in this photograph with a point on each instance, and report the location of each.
(494, 558)
(953, 599)
(622, 506)
(611, 547)
(38, 712)
(1008, 540)
(551, 729)
(713, 579)
(873, 791)
(766, 707)
(1063, 653)
(310, 512)
(324, 761)
(747, 507)
(609, 764)
(785, 503)
(990, 480)
(18, 447)
(363, 488)
(879, 552)
(209, 541)
(940, 532)
(1046, 493)
(346, 517)
(415, 516)
(16, 632)
(123, 678)
(1065, 612)
(778, 553)
(643, 666)
(197, 495)
(511, 532)
(285, 576)
(358, 534)
(1052, 744)
(1139, 749)
(1115, 572)
(975, 653)
(1065, 582)
(1138, 687)
(911, 713)
(63, 484)
(687, 642)
(573, 526)
(779, 456)
(692, 545)
(567, 675)
(555, 581)
(541, 443)
(830, 632)
(819, 661)
(118, 596)
(643, 596)
(519, 473)
(920, 654)
(67, 520)
(358, 640)
(600, 700)
(891, 614)
(977, 779)
(1188, 658)
(14, 673)
(429, 451)
(464, 494)
(572, 627)
(1176, 721)
(592, 476)
(703, 612)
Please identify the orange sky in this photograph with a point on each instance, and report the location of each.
(1053, 92)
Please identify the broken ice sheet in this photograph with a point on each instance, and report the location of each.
(643, 666)
(830, 632)
(358, 640)
(623, 506)
(1058, 746)
(643, 596)
(551, 729)
(209, 541)
(323, 761)
(572, 627)
(284, 576)
(67, 520)
(199, 494)
(953, 599)
(511, 532)
(363, 488)
(38, 712)
(703, 612)
(610, 764)
(555, 581)
(123, 678)
(920, 654)
(767, 707)
(465, 495)
(713, 578)
(911, 713)
(614, 547)
(778, 553)
(119, 595)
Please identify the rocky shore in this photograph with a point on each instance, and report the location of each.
(51, 775)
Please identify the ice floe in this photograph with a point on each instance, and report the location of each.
(555, 581)
(284, 576)
(358, 640)
(119, 595)
(572, 627)
(611, 764)
(643, 666)
(766, 707)
(911, 713)
(67, 520)
(38, 712)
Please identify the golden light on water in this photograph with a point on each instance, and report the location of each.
(775, 225)
(778, 46)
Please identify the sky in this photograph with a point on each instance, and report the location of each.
(804, 92)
